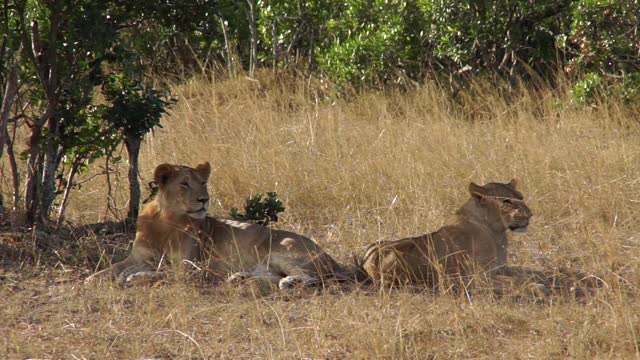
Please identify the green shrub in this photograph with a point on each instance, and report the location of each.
(260, 210)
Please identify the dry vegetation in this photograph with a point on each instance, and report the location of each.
(381, 166)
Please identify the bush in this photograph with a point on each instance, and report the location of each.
(260, 211)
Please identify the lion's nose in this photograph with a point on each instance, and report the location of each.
(204, 200)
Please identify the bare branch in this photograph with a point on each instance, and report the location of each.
(36, 53)
(7, 102)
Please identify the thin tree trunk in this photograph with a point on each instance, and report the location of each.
(7, 102)
(14, 168)
(33, 173)
(133, 149)
(274, 36)
(50, 165)
(50, 159)
(227, 46)
(67, 189)
(253, 29)
(311, 62)
(9, 95)
(45, 63)
(31, 184)
(110, 200)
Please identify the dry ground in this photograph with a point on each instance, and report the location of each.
(380, 166)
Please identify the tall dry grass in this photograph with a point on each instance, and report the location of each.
(380, 166)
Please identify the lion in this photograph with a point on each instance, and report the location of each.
(175, 226)
(475, 243)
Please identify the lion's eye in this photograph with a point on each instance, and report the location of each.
(507, 202)
(185, 185)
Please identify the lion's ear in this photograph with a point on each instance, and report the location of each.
(513, 183)
(163, 173)
(204, 170)
(476, 190)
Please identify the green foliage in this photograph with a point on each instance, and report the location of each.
(495, 36)
(604, 36)
(356, 41)
(591, 86)
(301, 27)
(135, 108)
(585, 90)
(67, 47)
(116, 44)
(604, 42)
(372, 40)
(630, 88)
(89, 137)
(260, 210)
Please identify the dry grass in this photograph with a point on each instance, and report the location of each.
(381, 166)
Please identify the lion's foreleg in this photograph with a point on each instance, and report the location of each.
(143, 278)
(521, 283)
(120, 270)
(296, 275)
(95, 277)
(295, 281)
(260, 272)
(139, 268)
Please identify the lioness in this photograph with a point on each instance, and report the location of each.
(175, 226)
(475, 243)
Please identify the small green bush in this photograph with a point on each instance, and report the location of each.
(260, 210)
(584, 91)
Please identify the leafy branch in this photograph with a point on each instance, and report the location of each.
(260, 210)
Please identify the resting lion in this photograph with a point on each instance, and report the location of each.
(475, 243)
(175, 226)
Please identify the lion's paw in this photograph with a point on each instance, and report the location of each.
(96, 278)
(144, 278)
(539, 291)
(295, 282)
(238, 277)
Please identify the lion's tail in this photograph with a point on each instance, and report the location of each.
(356, 271)
(352, 272)
(360, 275)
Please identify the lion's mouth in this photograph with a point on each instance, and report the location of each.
(519, 229)
(198, 214)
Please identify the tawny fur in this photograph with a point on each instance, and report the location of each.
(475, 242)
(176, 227)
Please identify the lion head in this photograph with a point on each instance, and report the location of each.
(504, 202)
(183, 190)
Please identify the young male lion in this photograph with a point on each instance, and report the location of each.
(475, 243)
(175, 226)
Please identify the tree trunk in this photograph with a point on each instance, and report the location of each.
(45, 62)
(31, 175)
(14, 168)
(50, 159)
(253, 29)
(7, 102)
(274, 36)
(50, 165)
(9, 95)
(75, 164)
(227, 46)
(34, 167)
(132, 143)
(311, 62)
